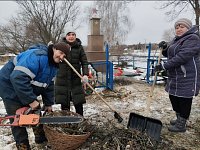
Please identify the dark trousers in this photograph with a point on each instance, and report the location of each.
(20, 134)
(181, 105)
(78, 107)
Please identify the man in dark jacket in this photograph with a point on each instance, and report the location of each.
(183, 68)
(29, 75)
(68, 86)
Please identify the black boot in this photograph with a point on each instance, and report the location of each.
(180, 125)
(173, 122)
(79, 109)
(23, 146)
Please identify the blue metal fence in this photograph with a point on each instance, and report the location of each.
(151, 61)
(105, 76)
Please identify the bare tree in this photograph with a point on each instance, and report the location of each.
(48, 19)
(115, 23)
(39, 21)
(13, 37)
(178, 7)
(169, 34)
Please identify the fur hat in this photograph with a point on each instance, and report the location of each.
(62, 46)
(185, 22)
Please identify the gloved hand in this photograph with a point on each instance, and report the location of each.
(85, 79)
(159, 68)
(162, 45)
(34, 105)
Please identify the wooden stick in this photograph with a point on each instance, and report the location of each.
(153, 85)
(89, 85)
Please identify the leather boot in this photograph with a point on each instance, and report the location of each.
(180, 125)
(23, 146)
(173, 122)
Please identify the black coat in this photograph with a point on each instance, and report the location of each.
(68, 85)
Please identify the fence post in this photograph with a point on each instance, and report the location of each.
(148, 63)
(109, 70)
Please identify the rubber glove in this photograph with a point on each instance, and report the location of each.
(85, 79)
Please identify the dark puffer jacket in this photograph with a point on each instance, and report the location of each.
(183, 65)
(67, 81)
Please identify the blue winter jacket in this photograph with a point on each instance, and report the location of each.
(28, 76)
(183, 65)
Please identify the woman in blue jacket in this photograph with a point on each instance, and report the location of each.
(183, 68)
(29, 75)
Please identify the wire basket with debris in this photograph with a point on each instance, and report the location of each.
(67, 136)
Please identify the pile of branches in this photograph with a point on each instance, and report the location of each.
(110, 137)
(107, 136)
(73, 129)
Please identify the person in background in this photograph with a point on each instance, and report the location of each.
(183, 69)
(68, 85)
(27, 76)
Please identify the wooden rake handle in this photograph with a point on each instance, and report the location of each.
(154, 80)
(89, 85)
(153, 85)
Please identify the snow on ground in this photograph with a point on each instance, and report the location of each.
(5, 136)
(126, 99)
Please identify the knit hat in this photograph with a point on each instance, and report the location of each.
(71, 30)
(62, 46)
(185, 22)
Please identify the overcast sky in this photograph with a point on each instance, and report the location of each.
(149, 23)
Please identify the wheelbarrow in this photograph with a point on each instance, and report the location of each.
(149, 125)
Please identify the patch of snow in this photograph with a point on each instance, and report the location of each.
(2, 108)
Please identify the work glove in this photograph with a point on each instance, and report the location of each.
(159, 68)
(162, 45)
(85, 79)
(34, 105)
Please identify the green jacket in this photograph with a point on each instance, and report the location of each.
(68, 85)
